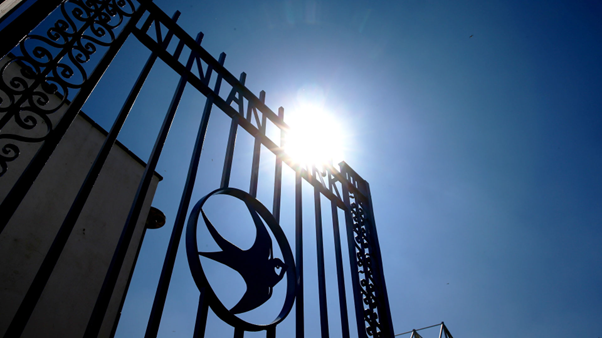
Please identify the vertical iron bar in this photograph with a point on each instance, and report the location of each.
(357, 291)
(229, 152)
(30, 300)
(278, 174)
(170, 256)
(20, 27)
(106, 291)
(257, 152)
(299, 320)
(231, 142)
(127, 284)
(441, 330)
(320, 257)
(339, 263)
(127, 107)
(201, 315)
(238, 332)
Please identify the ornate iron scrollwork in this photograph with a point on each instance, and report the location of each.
(35, 83)
(365, 270)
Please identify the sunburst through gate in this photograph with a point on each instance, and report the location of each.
(45, 81)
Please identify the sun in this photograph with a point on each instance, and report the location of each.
(314, 138)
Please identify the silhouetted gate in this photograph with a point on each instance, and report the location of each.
(68, 58)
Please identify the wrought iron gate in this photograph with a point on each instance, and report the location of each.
(67, 56)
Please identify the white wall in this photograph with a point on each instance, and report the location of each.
(7, 5)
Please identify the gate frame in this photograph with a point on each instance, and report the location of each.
(372, 310)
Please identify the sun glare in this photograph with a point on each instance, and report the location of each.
(314, 137)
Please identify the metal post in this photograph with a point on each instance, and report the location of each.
(320, 257)
(271, 332)
(257, 150)
(231, 143)
(278, 174)
(201, 315)
(339, 263)
(299, 317)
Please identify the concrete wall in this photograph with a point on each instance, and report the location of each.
(67, 301)
(7, 5)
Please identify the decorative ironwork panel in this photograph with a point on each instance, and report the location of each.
(365, 270)
(364, 251)
(54, 65)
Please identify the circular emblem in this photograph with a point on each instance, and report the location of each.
(256, 265)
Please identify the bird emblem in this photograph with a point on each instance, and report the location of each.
(260, 271)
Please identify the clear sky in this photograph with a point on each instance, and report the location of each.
(477, 123)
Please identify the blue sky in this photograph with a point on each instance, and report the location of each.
(484, 153)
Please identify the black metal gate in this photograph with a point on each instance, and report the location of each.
(66, 57)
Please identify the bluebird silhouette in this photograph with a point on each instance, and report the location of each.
(256, 265)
